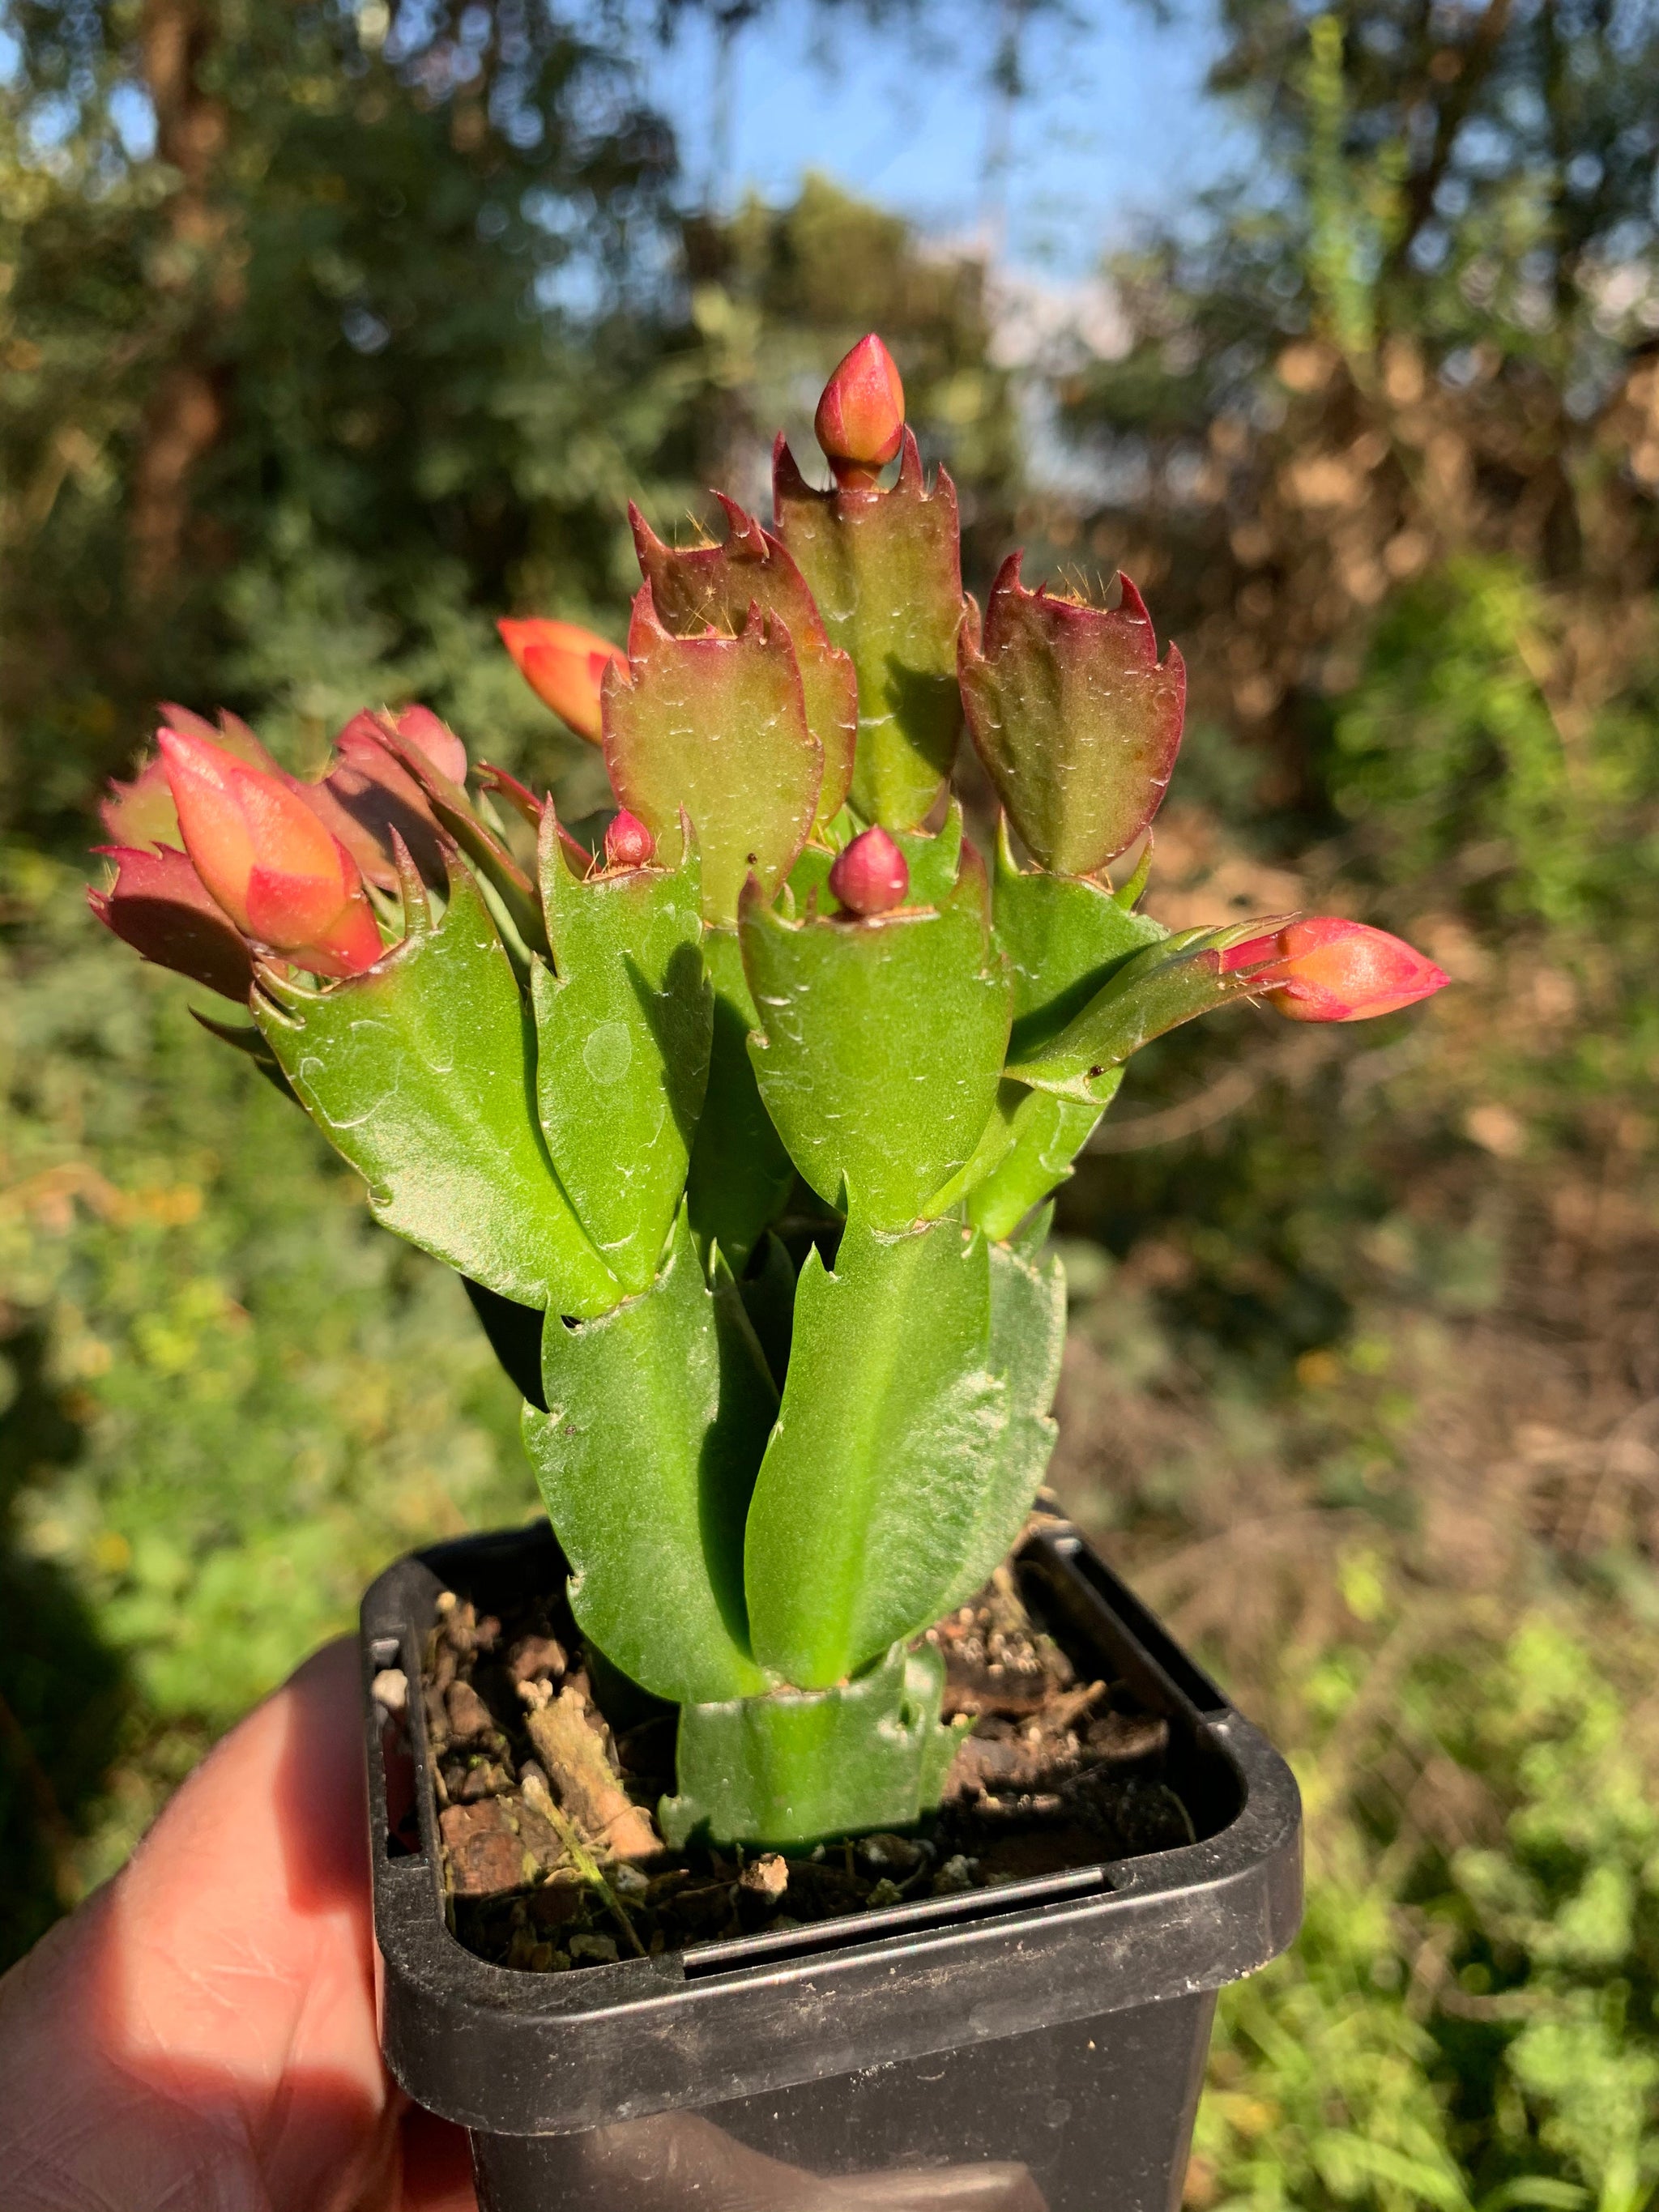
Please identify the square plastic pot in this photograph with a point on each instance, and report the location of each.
(1036, 2047)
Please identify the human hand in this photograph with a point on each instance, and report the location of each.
(200, 2035)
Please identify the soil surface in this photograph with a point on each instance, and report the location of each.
(547, 1771)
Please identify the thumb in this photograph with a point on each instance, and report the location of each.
(202, 2033)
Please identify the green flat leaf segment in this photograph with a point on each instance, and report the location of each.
(715, 726)
(623, 1043)
(713, 586)
(657, 1415)
(740, 1175)
(797, 1767)
(1157, 991)
(885, 569)
(879, 1045)
(1045, 1134)
(1065, 937)
(890, 1421)
(1028, 1337)
(422, 1074)
(934, 862)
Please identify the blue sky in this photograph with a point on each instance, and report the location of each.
(1115, 124)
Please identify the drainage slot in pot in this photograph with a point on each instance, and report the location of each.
(930, 1916)
(391, 1690)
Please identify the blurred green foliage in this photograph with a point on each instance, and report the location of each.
(255, 1397)
(1464, 2024)
(1363, 1355)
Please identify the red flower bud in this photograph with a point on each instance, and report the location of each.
(564, 665)
(871, 876)
(628, 842)
(283, 879)
(860, 418)
(1326, 970)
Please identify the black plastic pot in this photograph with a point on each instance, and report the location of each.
(1037, 2047)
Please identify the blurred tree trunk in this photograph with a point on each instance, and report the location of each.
(198, 269)
(1462, 75)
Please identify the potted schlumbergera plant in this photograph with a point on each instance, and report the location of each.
(878, 1850)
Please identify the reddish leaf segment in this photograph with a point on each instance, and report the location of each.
(1076, 719)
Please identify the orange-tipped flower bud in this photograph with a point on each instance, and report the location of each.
(860, 418)
(628, 842)
(564, 665)
(1325, 969)
(872, 876)
(283, 879)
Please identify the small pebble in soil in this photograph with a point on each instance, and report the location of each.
(956, 1874)
(766, 1877)
(601, 1949)
(390, 1690)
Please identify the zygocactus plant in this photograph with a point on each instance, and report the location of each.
(778, 1430)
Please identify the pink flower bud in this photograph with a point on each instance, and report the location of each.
(628, 842)
(860, 418)
(283, 879)
(564, 665)
(1326, 970)
(436, 739)
(872, 876)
